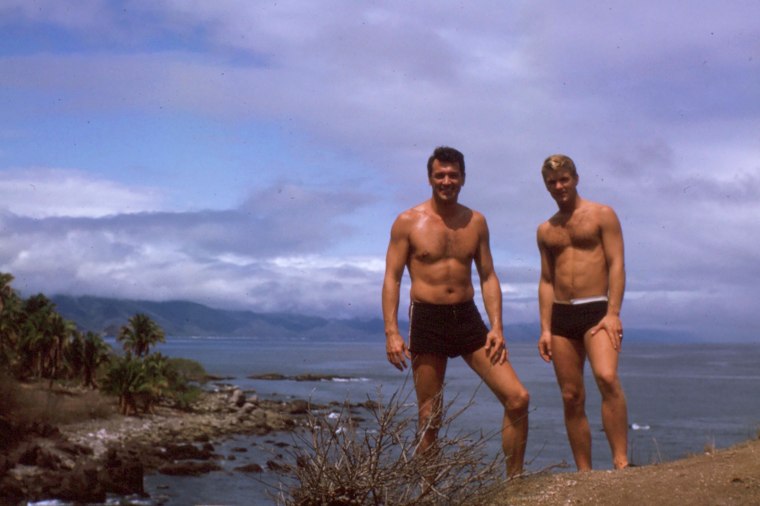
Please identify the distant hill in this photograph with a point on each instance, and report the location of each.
(184, 318)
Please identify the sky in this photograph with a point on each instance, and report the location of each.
(254, 154)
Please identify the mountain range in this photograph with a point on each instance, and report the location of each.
(184, 318)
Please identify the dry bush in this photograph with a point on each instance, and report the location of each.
(341, 463)
(35, 402)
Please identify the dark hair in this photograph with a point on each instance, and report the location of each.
(445, 154)
(559, 162)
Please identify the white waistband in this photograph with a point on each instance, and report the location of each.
(584, 300)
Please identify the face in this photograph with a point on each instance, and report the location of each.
(446, 179)
(561, 184)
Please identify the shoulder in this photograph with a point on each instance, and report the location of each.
(476, 216)
(544, 227)
(604, 216)
(408, 218)
(476, 219)
(603, 212)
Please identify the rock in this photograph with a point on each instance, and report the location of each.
(268, 376)
(124, 472)
(277, 467)
(33, 454)
(189, 468)
(82, 485)
(11, 490)
(188, 451)
(237, 398)
(370, 404)
(298, 407)
(250, 468)
(277, 421)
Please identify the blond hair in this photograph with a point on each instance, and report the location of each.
(559, 162)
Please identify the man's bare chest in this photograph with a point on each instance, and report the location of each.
(579, 235)
(433, 244)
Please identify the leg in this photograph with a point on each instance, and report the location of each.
(568, 356)
(504, 383)
(604, 362)
(429, 371)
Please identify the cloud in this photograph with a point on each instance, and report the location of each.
(42, 193)
(657, 104)
(270, 253)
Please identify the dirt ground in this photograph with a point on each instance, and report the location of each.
(723, 477)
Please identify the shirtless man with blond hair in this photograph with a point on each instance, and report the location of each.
(438, 241)
(580, 294)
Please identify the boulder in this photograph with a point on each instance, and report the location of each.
(188, 451)
(298, 407)
(189, 468)
(124, 472)
(250, 468)
(237, 398)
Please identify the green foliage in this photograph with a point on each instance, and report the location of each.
(188, 370)
(140, 334)
(126, 378)
(95, 352)
(184, 375)
(37, 342)
(142, 382)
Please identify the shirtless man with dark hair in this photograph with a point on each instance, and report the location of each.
(438, 241)
(580, 293)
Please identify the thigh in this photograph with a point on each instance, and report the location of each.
(602, 356)
(568, 358)
(500, 378)
(429, 371)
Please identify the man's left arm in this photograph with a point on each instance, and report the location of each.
(491, 289)
(612, 243)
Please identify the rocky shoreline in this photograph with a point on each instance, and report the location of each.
(88, 460)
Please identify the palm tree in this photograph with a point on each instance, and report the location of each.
(157, 376)
(73, 356)
(6, 292)
(36, 342)
(10, 328)
(10, 304)
(140, 334)
(94, 353)
(126, 378)
(60, 330)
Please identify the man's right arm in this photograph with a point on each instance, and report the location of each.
(395, 261)
(545, 300)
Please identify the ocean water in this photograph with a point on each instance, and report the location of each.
(682, 398)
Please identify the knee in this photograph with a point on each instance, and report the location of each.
(608, 383)
(573, 398)
(518, 402)
(429, 412)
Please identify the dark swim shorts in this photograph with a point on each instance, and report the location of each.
(574, 320)
(444, 329)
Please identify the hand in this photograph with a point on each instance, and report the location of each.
(397, 352)
(496, 348)
(545, 346)
(612, 325)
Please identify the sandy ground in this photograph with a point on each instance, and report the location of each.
(724, 477)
